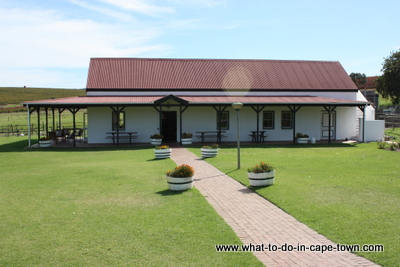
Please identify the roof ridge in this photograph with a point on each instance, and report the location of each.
(210, 59)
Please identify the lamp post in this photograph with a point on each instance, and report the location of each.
(237, 106)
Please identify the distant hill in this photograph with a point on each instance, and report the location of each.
(17, 95)
(12, 97)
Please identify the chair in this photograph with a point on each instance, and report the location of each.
(79, 134)
(60, 135)
(74, 134)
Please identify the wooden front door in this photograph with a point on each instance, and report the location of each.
(169, 126)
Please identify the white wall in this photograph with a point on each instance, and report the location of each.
(374, 130)
(145, 121)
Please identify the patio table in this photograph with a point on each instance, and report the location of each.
(121, 135)
(217, 133)
(258, 136)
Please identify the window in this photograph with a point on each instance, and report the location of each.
(286, 120)
(118, 123)
(268, 119)
(224, 120)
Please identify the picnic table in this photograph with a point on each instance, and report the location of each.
(217, 134)
(258, 136)
(116, 136)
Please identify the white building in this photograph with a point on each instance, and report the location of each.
(172, 96)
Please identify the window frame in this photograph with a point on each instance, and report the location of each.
(285, 120)
(272, 112)
(220, 120)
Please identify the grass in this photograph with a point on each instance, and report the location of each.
(394, 132)
(349, 193)
(103, 207)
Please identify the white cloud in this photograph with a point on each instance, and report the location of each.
(199, 3)
(140, 6)
(38, 44)
(106, 11)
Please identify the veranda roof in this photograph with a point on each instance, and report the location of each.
(215, 74)
(87, 101)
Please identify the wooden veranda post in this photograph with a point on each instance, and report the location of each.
(330, 110)
(74, 111)
(294, 110)
(258, 109)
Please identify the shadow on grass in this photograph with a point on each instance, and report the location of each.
(155, 159)
(231, 171)
(14, 146)
(22, 146)
(168, 192)
(319, 145)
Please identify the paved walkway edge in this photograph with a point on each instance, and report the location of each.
(259, 222)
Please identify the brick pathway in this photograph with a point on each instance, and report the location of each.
(257, 221)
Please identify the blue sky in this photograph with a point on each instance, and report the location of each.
(49, 43)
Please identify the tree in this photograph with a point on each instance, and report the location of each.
(389, 83)
(358, 78)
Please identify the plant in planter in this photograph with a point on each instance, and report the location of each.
(156, 139)
(261, 175)
(210, 151)
(186, 138)
(162, 152)
(180, 178)
(44, 142)
(302, 138)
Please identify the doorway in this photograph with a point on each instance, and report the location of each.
(325, 125)
(169, 125)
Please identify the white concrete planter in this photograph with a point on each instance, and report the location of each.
(186, 141)
(302, 140)
(45, 143)
(179, 184)
(209, 152)
(261, 179)
(162, 153)
(156, 142)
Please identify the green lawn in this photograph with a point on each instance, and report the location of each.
(103, 207)
(394, 133)
(349, 193)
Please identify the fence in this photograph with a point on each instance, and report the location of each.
(21, 130)
(391, 121)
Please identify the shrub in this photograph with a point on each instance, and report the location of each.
(213, 146)
(300, 135)
(262, 167)
(181, 171)
(162, 147)
(381, 144)
(187, 135)
(394, 146)
(156, 136)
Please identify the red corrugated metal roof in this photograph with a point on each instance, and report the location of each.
(206, 74)
(268, 100)
(91, 100)
(193, 100)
